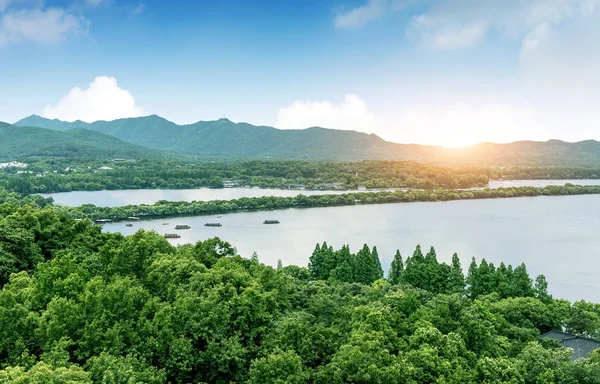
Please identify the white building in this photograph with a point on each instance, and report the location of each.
(11, 164)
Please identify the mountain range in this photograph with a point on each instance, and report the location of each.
(23, 142)
(224, 139)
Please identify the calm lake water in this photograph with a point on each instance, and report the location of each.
(556, 236)
(151, 196)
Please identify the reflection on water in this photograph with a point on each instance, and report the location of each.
(151, 196)
(556, 236)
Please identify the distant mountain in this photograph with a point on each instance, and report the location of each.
(20, 142)
(228, 140)
(225, 139)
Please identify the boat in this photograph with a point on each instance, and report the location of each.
(165, 223)
(184, 226)
(129, 225)
(271, 222)
(102, 221)
(213, 225)
(172, 236)
(219, 217)
(133, 218)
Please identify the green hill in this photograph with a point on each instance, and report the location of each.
(225, 139)
(22, 142)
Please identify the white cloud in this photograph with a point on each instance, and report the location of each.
(102, 100)
(4, 4)
(450, 125)
(453, 24)
(357, 17)
(352, 114)
(38, 25)
(370, 11)
(451, 36)
(466, 124)
(559, 72)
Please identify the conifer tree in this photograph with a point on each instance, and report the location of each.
(364, 266)
(456, 278)
(279, 264)
(541, 289)
(378, 270)
(414, 273)
(344, 265)
(396, 269)
(472, 276)
(521, 282)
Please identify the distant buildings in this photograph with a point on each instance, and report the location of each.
(15, 164)
(119, 160)
(232, 183)
(105, 168)
(581, 346)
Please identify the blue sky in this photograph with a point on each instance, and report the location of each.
(449, 72)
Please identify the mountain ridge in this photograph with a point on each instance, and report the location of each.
(224, 139)
(25, 142)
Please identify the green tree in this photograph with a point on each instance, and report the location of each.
(278, 368)
(456, 278)
(396, 269)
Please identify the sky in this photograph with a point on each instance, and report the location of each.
(444, 72)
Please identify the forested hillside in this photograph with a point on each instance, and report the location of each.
(81, 306)
(22, 142)
(224, 139)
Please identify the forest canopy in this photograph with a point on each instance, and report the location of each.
(81, 306)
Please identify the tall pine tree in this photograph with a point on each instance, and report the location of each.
(378, 270)
(396, 269)
(365, 267)
(456, 279)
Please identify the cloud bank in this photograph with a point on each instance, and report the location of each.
(102, 100)
(352, 114)
(453, 24)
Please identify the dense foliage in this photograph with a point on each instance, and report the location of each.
(60, 175)
(64, 174)
(81, 306)
(170, 208)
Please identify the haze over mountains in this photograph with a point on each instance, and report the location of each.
(224, 139)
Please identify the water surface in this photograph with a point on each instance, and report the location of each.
(151, 196)
(557, 236)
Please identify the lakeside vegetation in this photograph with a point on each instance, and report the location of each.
(81, 306)
(63, 174)
(195, 208)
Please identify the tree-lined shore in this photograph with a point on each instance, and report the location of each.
(163, 209)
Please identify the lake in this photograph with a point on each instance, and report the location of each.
(556, 236)
(151, 196)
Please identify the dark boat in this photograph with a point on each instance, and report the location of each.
(271, 222)
(129, 225)
(213, 225)
(184, 226)
(172, 236)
